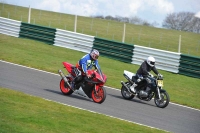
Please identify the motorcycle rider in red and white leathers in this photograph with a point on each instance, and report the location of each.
(86, 63)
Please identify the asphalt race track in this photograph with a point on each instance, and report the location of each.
(173, 118)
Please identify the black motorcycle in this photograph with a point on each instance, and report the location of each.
(143, 91)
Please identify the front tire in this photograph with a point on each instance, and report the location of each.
(64, 89)
(99, 96)
(126, 94)
(164, 100)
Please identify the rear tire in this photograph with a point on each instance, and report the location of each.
(64, 89)
(164, 100)
(100, 96)
(126, 94)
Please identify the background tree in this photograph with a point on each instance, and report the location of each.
(132, 20)
(136, 20)
(196, 25)
(110, 17)
(184, 21)
(98, 16)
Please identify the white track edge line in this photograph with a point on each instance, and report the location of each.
(105, 115)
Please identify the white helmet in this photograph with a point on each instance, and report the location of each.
(151, 61)
(94, 54)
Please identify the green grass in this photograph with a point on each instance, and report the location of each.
(182, 89)
(135, 34)
(21, 113)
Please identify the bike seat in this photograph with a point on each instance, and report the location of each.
(134, 78)
(73, 67)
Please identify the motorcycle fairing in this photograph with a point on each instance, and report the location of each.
(68, 66)
(81, 92)
(98, 76)
(87, 88)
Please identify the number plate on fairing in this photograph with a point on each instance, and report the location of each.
(160, 83)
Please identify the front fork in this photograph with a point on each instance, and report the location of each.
(158, 90)
(96, 89)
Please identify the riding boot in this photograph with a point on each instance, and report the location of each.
(132, 88)
(72, 85)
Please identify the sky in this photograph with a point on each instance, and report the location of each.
(149, 10)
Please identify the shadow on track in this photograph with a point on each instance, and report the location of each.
(75, 96)
(134, 100)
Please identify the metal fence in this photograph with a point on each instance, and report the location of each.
(9, 27)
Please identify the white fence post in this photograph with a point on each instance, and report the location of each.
(123, 38)
(75, 22)
(29, 14)
(179, 46)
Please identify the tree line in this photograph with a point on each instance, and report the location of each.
(183, 21)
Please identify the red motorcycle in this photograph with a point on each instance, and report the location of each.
(89, 87)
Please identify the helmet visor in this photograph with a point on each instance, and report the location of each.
(96, 57)
(152, 63)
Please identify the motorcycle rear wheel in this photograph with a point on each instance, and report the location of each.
(164, 100)
(64, 89)
(99, 96)
(126, 94)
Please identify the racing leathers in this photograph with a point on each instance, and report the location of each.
(143, 72)
(145, 68)
(84, 64)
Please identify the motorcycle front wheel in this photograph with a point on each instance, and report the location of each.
(126, 94)
(164, 101)
(64, 89)
(99, 96)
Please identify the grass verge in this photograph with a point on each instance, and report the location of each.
(22, 113)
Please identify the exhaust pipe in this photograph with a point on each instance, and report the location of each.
(64, 78)
(125, 85)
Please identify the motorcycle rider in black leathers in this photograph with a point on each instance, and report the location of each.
(143, 73)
